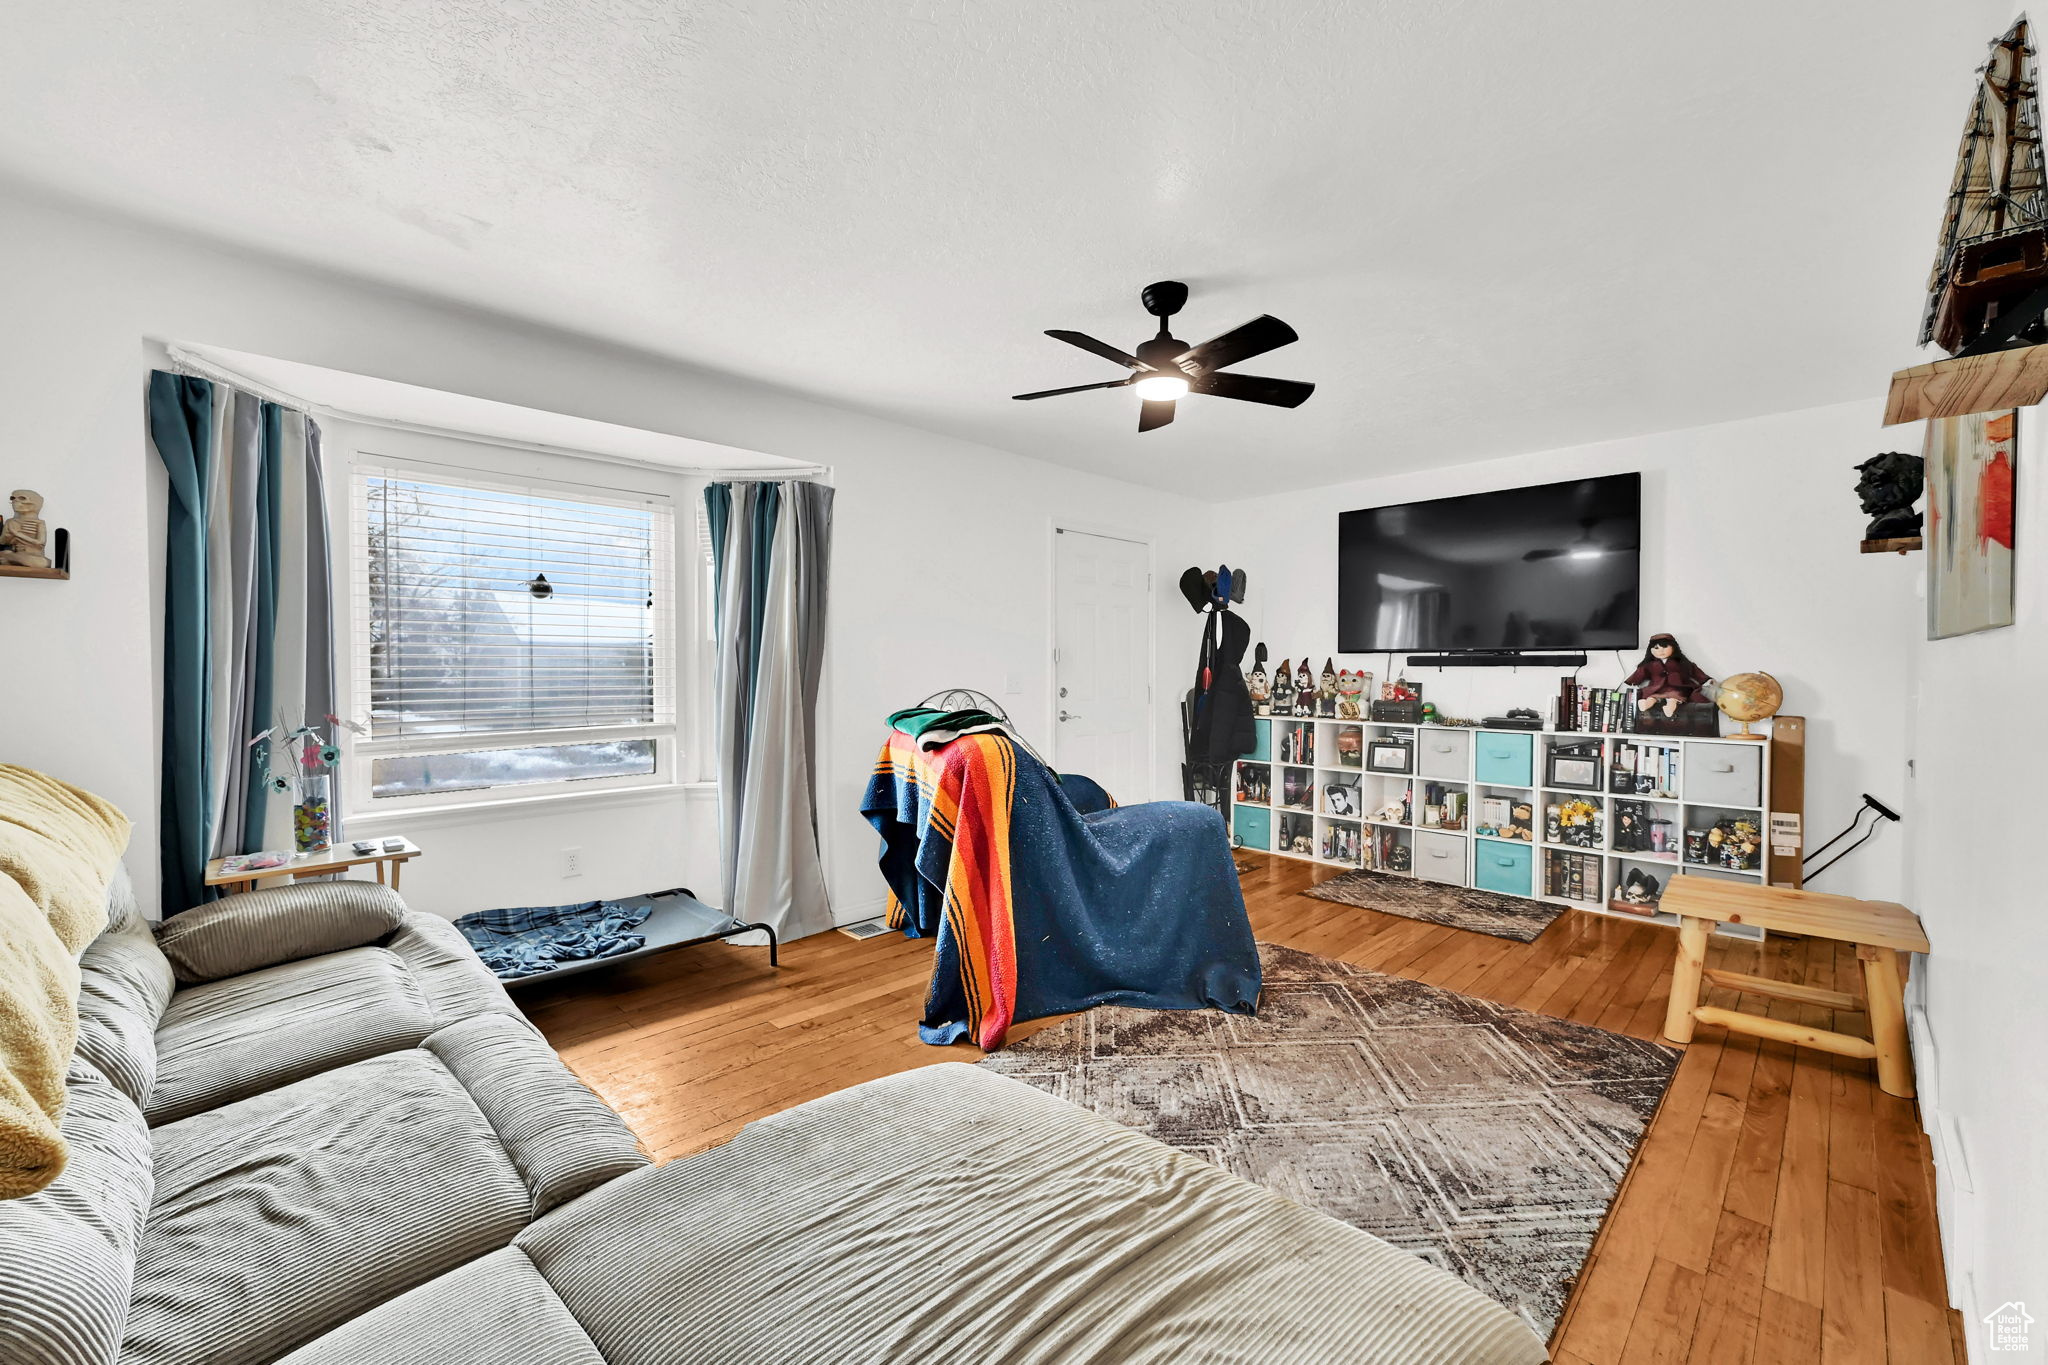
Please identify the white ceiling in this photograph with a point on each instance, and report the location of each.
(1498, 226)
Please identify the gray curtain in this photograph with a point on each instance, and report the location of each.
(770, 544)
(248, 616)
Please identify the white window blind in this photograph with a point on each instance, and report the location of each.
(476, 673)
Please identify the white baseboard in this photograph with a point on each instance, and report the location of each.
(853, 912)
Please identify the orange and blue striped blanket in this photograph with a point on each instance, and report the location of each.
(1041, 908)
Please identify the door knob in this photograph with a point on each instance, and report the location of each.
(1068, 715)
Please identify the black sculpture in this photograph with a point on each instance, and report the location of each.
(1889, 486)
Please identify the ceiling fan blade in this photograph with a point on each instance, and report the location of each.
(1262, 334)
(1094, 347)
(1253, 388)
(1535, 555)
(1155, 413)
(1078, 388)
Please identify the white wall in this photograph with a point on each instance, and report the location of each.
(941, 548)
(1980, 749)
(1749, 557)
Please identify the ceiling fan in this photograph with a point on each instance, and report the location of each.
(1164, 368)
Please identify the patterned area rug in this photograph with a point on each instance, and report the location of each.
(1461, 907)
(1485, 1139)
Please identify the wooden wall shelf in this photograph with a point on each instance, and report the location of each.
(1971, 383)
(1894, 545)
(16, 571)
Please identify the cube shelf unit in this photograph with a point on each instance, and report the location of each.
(1697, 783)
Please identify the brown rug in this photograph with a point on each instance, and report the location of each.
(1487, 1140)
(1460, 907)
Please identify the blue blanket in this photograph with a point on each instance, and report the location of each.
(1041, 909)
(531, 940)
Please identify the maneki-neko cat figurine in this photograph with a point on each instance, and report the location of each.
(1352, 685)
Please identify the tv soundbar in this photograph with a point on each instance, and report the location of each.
(1497, 658)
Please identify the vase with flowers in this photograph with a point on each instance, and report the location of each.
(299, 761)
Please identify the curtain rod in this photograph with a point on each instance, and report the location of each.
(206, 368)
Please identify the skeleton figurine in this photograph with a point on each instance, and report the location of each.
(25, 535)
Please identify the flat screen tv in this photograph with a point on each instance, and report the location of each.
(1554, 566)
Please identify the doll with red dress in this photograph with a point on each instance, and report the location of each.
(1666, 677)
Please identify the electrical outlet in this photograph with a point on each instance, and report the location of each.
(572, 862)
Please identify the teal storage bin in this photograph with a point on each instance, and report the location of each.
(1505, 760)
(1504, 866)
(1264, 748)
(1254, 825)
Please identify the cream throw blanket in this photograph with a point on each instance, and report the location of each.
(58, 848)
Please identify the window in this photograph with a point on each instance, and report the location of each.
(509, 636)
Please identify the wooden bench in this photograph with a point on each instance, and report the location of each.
(1879, 929)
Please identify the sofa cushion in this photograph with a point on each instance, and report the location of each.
(230, 1039)
(257, 929)
(452, 979)
(67, 1252)
(124, 986)
(497, 1307)
(948, 1213)
(562, 1139)
(279, 1217)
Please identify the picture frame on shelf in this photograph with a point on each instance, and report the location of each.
(1572, 771)
(1390, 756)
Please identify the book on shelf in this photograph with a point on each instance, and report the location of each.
(1572, 876)
(1595, 710)
(1644, 770)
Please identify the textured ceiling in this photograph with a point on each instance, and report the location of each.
(1498, 227)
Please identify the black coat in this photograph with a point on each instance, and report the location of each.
(1223, 726)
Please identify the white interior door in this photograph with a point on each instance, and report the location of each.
(1102, 661)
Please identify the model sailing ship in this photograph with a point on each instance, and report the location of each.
(1989, 289)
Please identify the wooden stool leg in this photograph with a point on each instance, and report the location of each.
(1884, 996)
(396, 864)
(1685, 979)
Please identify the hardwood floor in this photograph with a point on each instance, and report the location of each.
(1780, 1211)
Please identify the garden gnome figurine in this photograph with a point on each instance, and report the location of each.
(25, 535)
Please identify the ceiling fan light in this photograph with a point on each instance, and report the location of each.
(1585, 552)
(1161, 388)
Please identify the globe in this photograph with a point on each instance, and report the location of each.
(1747, 697)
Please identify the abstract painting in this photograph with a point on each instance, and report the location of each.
(1970, 467)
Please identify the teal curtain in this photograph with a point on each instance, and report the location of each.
(181, 425)
(242, 645)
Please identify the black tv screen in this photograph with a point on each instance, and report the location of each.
(1554, 566)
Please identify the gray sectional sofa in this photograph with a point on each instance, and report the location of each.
(289, 1106)
(306, 1125)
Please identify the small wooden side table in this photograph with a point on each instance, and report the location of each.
(337, 859)
(1880, 930)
